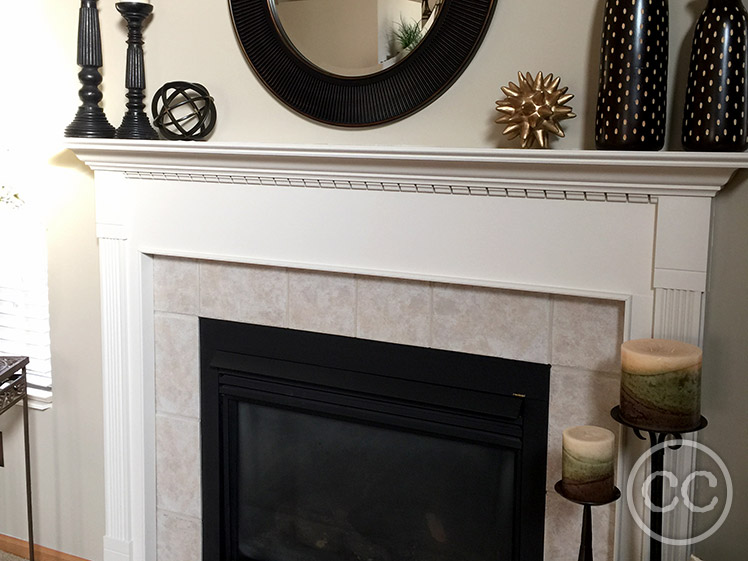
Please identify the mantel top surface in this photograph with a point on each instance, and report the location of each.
(650, 173)
(612, 157)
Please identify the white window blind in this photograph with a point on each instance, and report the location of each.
(24, 298)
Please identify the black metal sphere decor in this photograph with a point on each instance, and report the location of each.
(714, 116)
(183, 111)
(632, 90)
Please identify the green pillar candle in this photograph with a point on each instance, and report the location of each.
(661, 384)
(587, 464)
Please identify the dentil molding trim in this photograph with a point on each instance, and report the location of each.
(557, 174)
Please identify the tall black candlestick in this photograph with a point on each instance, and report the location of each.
(135, 123)
(90, 121)
(657, 465)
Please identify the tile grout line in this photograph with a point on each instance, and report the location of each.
(355, 305)
(431, 314)
(179, 514)
(287, 319)
(199, 288)
(551, 310)
(175, 315)
(177, 417)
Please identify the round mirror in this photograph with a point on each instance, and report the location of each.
(355, 37)
(359, 62)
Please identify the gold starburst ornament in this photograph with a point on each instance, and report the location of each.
(534, 108)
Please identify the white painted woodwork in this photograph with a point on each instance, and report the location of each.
(679, 315)
(116, 387)
(629, 226)
(595, 175)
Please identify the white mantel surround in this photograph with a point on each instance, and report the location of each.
(626, 226)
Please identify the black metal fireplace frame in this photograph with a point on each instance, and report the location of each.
(494, 401)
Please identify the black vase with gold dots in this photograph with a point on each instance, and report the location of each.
(714, 115)
(632, 89)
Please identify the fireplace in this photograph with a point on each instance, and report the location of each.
(558, 230)
(465, 319)
(322, 447)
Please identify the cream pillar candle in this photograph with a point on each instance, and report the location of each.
(661, 384)
(587, 464)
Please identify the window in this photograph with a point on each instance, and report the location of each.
(24, 301)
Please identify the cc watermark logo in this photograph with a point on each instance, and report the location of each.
(682, 495)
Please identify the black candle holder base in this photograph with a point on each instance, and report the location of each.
(90, 122)
(665, 431)
(136, 126)
(585, 545)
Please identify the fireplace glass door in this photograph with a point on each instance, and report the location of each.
(324, 448)
(314, 487)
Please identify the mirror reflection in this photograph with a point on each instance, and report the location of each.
(355, 37)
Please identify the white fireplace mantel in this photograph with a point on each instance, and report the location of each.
(523, 211)
(595, 175)
(629, 226)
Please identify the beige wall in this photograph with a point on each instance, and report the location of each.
(38, 99)
(193, 40)
(725, 384)
(562, 38)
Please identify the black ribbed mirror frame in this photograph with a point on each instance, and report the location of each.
(375, 99)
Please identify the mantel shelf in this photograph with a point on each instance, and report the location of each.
(571, 174)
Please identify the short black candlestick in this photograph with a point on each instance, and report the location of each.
(585, 544)
(90, 121)
(135, 123)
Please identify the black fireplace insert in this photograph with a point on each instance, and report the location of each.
(327, 448)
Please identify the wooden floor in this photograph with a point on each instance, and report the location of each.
(8, 557)
(11, 549)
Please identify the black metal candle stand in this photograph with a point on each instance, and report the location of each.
(135, 123)
(585, 546)
(89, 121)
(656, 437)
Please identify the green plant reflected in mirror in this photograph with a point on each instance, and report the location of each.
(358, 63)
(354, 37)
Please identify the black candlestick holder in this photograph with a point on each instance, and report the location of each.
(656, 436)
(90, 121)
(585, 545)
(135, 123)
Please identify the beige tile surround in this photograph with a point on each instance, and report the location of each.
(580, 337)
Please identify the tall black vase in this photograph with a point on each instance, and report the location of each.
(632, 90)
(714, 116)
